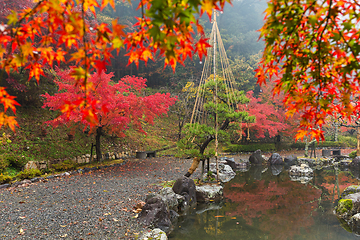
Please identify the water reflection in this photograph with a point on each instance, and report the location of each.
(265, 204)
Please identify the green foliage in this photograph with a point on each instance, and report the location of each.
(3, 163)
(265, 147)
(13, 160)
(350, 141)
(197, 136)
(353, 154)
(5, 178)
(65, 165)
(327, 144)
(28, 174)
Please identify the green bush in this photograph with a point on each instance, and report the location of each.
(64, 166)
(326, 144)
(17, 162)
(3, 163)
(350, 141)
(5, 178)
(353, 154)
(265, 147)
(28, 174)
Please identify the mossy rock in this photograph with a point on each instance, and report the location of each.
(344, 206)
(350, 190)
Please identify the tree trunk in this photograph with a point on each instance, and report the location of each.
(98, 144)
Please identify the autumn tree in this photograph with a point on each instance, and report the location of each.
(118, 105)
(57, 31)
(313, 48)
(269, 122)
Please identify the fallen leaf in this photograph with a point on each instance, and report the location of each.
(21, 231)
(106, 214)
(124, 209)
(233, 218)
(63, 225)
(64, 236)
(22, 217)
(115, 220)
(219, 216)
(105, 190)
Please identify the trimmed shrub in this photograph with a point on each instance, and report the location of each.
(28, 174)
(264, 147)
(353, 154)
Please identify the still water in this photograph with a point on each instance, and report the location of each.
(264, 203)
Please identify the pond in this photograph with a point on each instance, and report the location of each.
(264, 203)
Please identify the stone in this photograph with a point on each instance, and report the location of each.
(226, 173)
(155, 213)
(350, 190)
(276, 159)
(354, 223)
(3, 186)
(185, 187)
(156, 233)
(37, 179)
(348, 206)
(229, 161)
(308, 161)
(42, 165)
(290, 160)
(25, 181)
(80, 160)
(355, 162)
(170, 198)
(209, 192)
(30, 165)
(256, 157)
(87, 159)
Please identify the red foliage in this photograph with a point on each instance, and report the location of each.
(270, 115)
(115, 105)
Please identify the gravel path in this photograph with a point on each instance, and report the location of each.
(94, 205)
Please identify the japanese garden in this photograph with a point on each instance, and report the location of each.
(179, 119)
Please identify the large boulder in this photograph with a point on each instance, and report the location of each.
(226, 173)
(185, 187)
(171, 199)
(290, 160)
(348, 208)
(256, 157)
(350, 190)
(209, 192)
(276, 159)
(156, 213)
